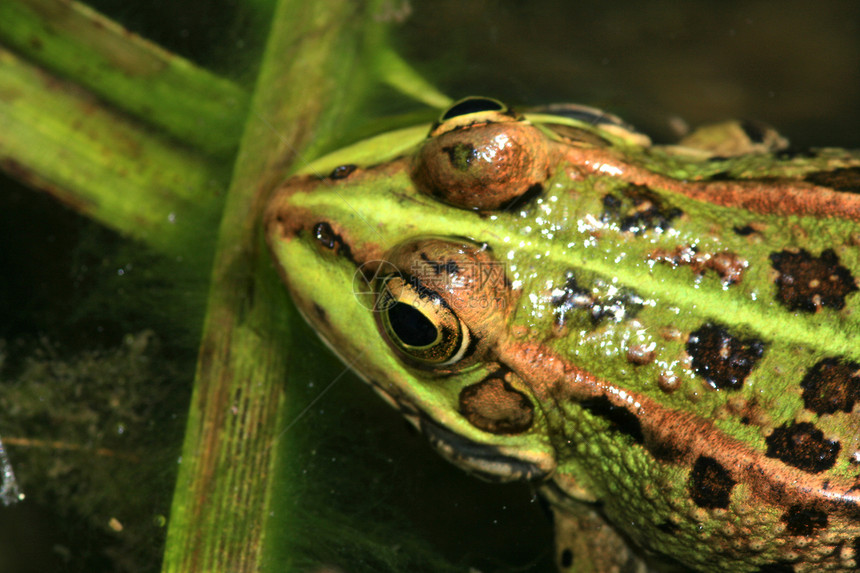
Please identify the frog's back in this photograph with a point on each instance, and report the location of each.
(711, 328)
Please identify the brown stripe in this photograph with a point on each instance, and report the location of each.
(555, 380)
(772, 197)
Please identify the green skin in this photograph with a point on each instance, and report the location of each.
(656, 356)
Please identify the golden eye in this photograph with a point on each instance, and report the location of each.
(419, 324)
(481, 155)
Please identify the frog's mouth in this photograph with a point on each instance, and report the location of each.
(482, 460)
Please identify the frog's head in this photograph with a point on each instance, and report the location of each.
(380, 267)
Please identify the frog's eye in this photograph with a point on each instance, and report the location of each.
(482, 156)
(419, 324)
(471, 105)
(473, 111)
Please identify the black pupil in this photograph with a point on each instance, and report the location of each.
(411, 327)
(472, 105)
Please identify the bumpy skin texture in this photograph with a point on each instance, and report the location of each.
(665, 335)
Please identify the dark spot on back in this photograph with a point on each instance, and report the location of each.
(744, 231)
(710, 484)
(624, 304)
(566, 559)
(638, 210)
(843, 179)
(806, 282)
(803, 446)
(803, 521)
(669, 527)
(831, 386)
(620, 419)
(342, 171)
(727, 264)
(493, 406)
(778, 567)
(611, 206)
(326, 237)
(722, 359)
(667, 451)
(572, 297)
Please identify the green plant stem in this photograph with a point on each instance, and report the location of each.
(129, 72)
(59, 138)
(308, 79)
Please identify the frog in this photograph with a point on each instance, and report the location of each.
(662, 338)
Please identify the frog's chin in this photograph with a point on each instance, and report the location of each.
(482, 460)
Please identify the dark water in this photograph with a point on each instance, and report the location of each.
(63, 300)
(793, 64)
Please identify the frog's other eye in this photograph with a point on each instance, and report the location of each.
(482, 156)
(471, 105)
(473, 111)
(419, 324)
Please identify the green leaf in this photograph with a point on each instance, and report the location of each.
(136, 138)
(313, 81)
(57, 137)
(127, 71)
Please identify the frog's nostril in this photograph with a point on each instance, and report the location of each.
(342, 171)
(328, 239)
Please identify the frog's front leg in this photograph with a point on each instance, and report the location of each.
(586, 543)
